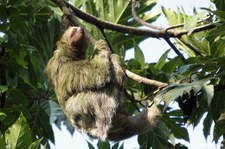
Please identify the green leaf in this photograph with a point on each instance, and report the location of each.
(35, 145)
(111, 10)
(219, 4)
(191, 24)
(18, 136)
(121, 147)
(220, 14)
(174, 122)
(162, 60)
(3, 88)
(156, 138)
(173, 91)
(138, 54)
(172, 65)
(207, 123)
(18, 96)
(173, 17)
(103, 145)
(115, 146)
(21, 58)
(2, 141)
(208, 91)
(90, 145)
(2, 116)
(219, 127)
(41, 126)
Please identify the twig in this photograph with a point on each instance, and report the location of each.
(175, 49)
(43, 96)
(132, 99)
(144, 23)
(198, 52)
(106, 39)
(181, 25)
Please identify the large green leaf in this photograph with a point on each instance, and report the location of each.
(156, 138)
(18, 136)
(174, 121)
(194, 43)
(207, 123)
(40, 124)
(191, 24)
(111, 10)
(173, 91)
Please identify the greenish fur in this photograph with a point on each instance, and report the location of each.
(91, 91)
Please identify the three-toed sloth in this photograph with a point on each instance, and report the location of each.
(90, 92)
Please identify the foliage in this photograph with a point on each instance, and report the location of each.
(29, 31)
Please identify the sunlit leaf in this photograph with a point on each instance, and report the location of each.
(208, 92)
(18, 136)
(3, 88)
(191, 24)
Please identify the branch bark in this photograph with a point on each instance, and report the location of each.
(140, 79)
(133, 30)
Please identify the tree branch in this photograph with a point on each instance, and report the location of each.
(134, 30)
(140, 79)
(175, 49)
(196, 51)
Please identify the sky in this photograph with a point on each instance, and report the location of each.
(64, 139)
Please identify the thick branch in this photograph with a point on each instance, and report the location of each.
(133, 30)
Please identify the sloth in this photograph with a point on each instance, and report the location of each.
(91, 91)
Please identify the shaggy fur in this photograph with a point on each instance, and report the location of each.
(90, 92)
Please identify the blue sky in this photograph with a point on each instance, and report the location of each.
(152, 49)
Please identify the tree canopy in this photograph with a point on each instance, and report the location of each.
(193, 79)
